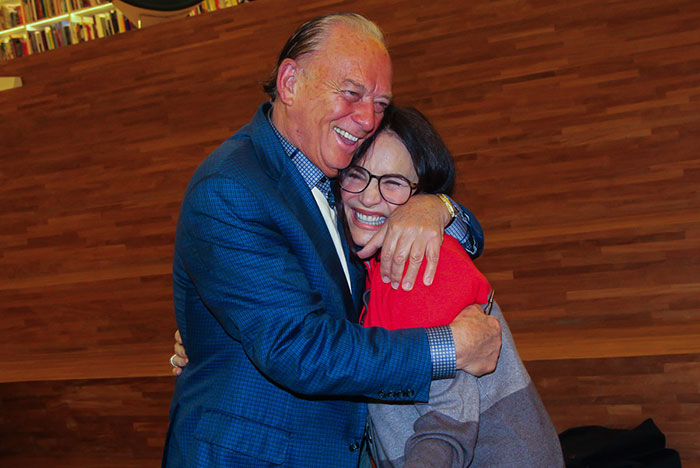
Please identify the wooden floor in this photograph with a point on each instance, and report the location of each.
(575, 126)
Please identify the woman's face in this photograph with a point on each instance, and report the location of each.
(367, 211)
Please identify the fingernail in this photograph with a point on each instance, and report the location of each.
(407, 285)
(395, 285)
(428, 281)
(385, 279)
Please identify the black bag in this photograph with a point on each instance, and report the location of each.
(601, 447)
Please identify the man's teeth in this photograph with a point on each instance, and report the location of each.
(373, 220)
(345, 134)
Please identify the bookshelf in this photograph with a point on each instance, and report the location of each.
(33, 26)
(213, 5)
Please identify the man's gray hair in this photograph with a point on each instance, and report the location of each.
(310, 36)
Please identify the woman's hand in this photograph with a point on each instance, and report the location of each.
(179, 359)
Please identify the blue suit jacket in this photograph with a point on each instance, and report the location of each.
(278, 367)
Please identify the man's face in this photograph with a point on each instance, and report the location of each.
(342, 92)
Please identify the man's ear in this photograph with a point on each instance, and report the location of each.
(287, 81)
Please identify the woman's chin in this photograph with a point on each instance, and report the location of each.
(362, 233)
(361, 239)
(361, 243)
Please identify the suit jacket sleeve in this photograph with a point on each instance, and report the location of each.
(467, 230)
(249, 277)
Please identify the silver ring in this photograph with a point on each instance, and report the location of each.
(171, 361)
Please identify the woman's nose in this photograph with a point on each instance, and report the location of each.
(371, 196)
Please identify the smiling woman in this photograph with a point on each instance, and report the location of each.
(366, 204)
(404, 157)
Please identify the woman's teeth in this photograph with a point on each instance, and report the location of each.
(372, 220)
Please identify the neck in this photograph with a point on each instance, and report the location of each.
(280, 119)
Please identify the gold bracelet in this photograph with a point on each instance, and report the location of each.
(448, 204)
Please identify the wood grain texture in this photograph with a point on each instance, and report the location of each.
(622, 392)
(574, 126)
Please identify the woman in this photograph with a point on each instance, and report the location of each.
(494, 421)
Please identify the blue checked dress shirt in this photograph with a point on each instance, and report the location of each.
(440, 341)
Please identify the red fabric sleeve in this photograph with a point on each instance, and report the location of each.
(457, 284)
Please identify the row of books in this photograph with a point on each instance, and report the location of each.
(11, 48)
(11, 16)
(28, 11)
(65, 33)
(213, 5)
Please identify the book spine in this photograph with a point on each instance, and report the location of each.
(41, 9)
(65, 33)
(122, 23)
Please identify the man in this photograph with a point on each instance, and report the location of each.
(266, 298)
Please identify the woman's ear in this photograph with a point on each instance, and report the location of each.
(287, 82)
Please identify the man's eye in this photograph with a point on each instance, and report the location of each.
(352, 95)
(380, 107)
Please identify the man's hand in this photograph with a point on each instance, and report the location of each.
(412, 232)
(477, 339)
(179, 359)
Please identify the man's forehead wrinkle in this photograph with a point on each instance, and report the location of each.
(357, 79)
(348, 61)
(355, 83)
(333, 84)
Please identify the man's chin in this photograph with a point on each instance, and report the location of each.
(343, 160)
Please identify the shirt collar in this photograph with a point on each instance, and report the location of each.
(312, 175)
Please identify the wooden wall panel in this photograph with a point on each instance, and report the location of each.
(95, 422)
(574, 126)
(623, 392)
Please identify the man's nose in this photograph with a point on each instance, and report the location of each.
(364, 115)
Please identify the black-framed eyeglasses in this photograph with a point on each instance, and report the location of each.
(394, 188)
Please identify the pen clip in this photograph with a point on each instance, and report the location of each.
(489, 304)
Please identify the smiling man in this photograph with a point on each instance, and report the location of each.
(327, 105)
(266, 298)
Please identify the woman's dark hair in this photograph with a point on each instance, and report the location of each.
(431, 158)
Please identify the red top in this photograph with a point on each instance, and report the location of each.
(457, 284)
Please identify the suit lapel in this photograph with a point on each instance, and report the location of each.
(301, 201)
(357, 275)
(296, 194)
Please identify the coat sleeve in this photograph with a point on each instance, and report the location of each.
(248, 275)
(445, 432)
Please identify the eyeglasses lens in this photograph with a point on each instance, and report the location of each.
(394, 189)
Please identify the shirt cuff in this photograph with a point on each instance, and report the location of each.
(459, 228)
(442, 352)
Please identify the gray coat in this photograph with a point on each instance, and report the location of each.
(494, 421)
